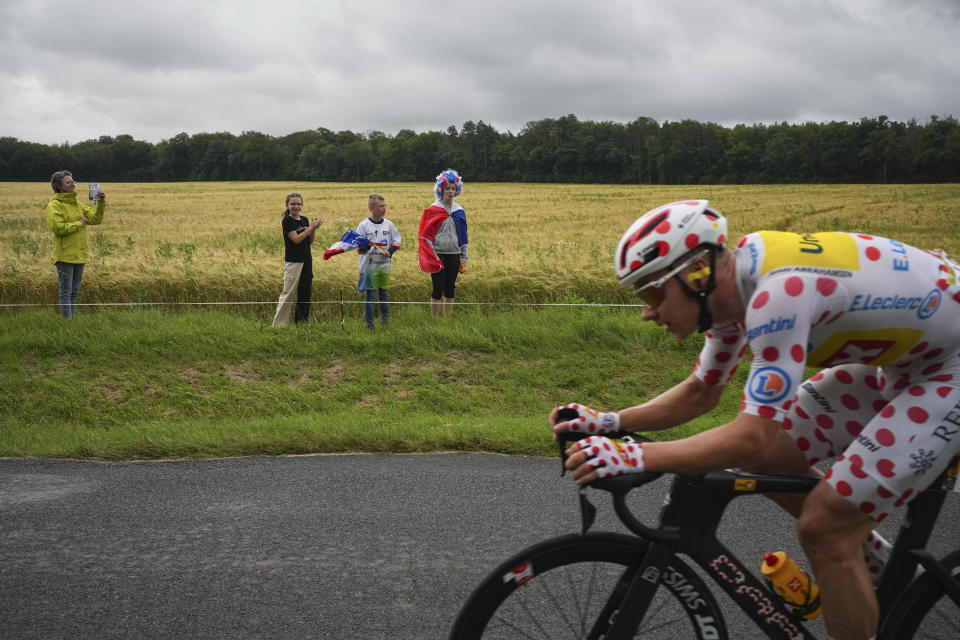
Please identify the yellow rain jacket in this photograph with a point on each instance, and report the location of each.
(63, 215)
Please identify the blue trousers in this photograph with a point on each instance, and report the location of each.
(69, 276)
(369, 303)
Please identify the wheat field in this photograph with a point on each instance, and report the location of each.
(221, 242)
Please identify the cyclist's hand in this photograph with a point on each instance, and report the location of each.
(600, 457)
(586, 421)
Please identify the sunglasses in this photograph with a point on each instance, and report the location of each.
(652, 293)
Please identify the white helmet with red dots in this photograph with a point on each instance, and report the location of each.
(662, 235)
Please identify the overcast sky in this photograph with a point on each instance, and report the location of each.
(70, 71)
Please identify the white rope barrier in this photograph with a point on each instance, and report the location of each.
(340, 302)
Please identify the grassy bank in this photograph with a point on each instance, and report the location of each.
(147, 384)
(178, 381)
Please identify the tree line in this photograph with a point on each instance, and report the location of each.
(564, 150)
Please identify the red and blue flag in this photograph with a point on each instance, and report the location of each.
(350, 241)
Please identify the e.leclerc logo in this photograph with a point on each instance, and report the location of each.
(929, 305)
(925, 307)
(768, 384)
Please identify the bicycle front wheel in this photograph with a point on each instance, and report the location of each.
(925, 611)
(569, 587)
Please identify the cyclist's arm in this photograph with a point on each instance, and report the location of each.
(745, 442)
(691, 398)
(684, 402)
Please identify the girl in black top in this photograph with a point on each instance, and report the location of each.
(298, 232)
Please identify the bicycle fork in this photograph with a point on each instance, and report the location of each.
(628, 604)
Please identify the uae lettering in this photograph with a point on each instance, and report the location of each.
(810, 244)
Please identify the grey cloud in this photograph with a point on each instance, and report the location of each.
(138, 35)
(287, 65)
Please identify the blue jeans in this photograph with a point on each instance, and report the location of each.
(69, 275)
(369, 299)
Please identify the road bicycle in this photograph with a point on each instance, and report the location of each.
(614, 586)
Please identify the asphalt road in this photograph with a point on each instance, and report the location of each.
(292, 547)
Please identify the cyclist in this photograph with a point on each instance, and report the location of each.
(879, 317)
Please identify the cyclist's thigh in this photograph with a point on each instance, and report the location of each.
(904, 447)
(831, 409)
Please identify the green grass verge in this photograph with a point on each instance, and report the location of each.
(127, 384)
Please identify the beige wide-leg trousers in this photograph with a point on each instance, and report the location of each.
(288, 299)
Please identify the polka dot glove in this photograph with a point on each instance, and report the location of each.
(590, 421)
(612, 457)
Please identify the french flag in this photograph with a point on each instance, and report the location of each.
(350, 241)
(434, 216)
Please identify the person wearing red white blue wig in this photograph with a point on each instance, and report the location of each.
(442, 250)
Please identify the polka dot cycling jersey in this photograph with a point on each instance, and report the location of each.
(826, 299)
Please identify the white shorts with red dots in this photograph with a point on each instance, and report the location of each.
(892, 439)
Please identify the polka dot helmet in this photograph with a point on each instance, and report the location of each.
(448, 176)
(662, 235)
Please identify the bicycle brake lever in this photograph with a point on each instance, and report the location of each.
(564, 440)
(588, 512)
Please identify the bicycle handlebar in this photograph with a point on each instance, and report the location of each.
(564, 440)
(728, 483)
(619, 487)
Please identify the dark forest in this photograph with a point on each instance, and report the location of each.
(561, 150)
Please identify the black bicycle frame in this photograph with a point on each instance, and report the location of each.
(909, 549)
(688, 525)
(696, 507)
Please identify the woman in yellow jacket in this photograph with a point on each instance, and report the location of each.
(68, 220)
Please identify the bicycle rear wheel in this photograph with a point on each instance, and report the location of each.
(925, 611)
(561, 587)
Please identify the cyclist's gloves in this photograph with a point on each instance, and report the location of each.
(590, 421)
(612, 457)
